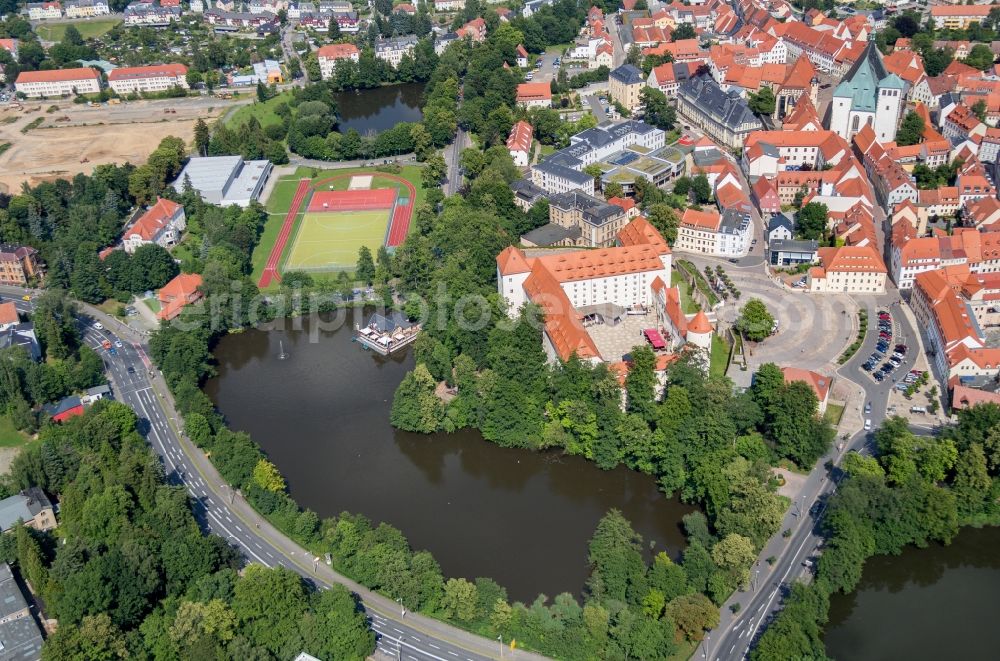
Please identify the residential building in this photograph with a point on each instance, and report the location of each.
(393, 49)
(711, 233)
(519, 143)
(725, 117)
(821, 385)
(790, 252)
(868, 95)
(40, 11)
(534, 95)
(563, 171)
(522, 56)
(527, 194)
(18, 265)
(22, 335)
(86, 8)
(331, 54)
(153, 14)
(9, 316)
(959, 16)
(31, 507)
(58, 82)
(848, 269)
(162, 224)
(589, 221)
(571, 285)
(624, 85)
(225, 180)
(780, 227)
(63, 410)
(177, 294)
(474, 30)
(20, 633)
(154, 78)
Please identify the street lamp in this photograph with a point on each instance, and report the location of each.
(500, 640)
(402, 608)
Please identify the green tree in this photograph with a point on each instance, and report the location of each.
(755, 321)
(910, 130)
(434, 171)
(364, 270)
(972, 480)
(701, 188)
(615, 558)
(683, 31)
(693, 614)
(459, 600)
(640, 383)
(659, 113)
(267, 477)
(735, 554)
(763, 102)
(201, 137)
(664, 218)
(979, 109)
(980, 57)
(811, 220)
(415, 406)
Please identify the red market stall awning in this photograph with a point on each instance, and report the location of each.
(654, 338)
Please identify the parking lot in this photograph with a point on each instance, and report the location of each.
(889, 352)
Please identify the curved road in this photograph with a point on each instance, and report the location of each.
(137, 383)
(732, 640)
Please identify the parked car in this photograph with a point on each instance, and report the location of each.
(868, 424)
(868, 408)
(868, 366)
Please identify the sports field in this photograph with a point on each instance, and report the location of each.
(330, 239)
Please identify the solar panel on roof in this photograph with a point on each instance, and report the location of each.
(625, 158)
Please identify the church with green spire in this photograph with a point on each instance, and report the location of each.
(868, 94)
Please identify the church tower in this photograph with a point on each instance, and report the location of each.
(868, 94)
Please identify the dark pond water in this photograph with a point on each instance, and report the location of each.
(379, 109)
(519, 517)
(933, 603)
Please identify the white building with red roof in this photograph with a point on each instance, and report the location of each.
(534, 95)
(848, 269)
(153, 78)
(821, 385)
(161, 224)
(331, 54)
(58, 82)
(519, 143)
(568, 284)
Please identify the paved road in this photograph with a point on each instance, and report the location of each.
(597, 108)
(226, 514)
(731, 641)
(452, 158)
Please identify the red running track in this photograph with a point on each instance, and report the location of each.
(271, 268)
(400, 224)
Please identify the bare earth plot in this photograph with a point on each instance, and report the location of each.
(91, 136)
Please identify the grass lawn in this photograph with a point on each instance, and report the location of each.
(9, 436)
(700, 280)
(331, 239)
(264, 112)
(88, 29)
(280, 201)
(720, 357)
(688, 305)
(153, 304)
(834, 412)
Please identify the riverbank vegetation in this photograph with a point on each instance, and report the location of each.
(916, 490)
(129, 574)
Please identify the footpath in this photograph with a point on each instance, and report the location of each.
(298, 555)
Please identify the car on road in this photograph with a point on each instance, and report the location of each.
(868, 408)
(112, 351)
(118, 343)
(26, 297)
(868, 424)
(106, 344)
(130, 370)
(98, 325)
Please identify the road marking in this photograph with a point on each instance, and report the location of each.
(249, 550)
(433, 645)
(733, 648)
(415, 638)
(397, 630)
(404, 643)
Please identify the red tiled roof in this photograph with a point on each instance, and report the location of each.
(58, 75)
(337, 51)
(154, 71)
(153, 220)
(8, 313)
(819, 383)
(534, 92)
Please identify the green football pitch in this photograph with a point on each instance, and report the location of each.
(331, 239)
